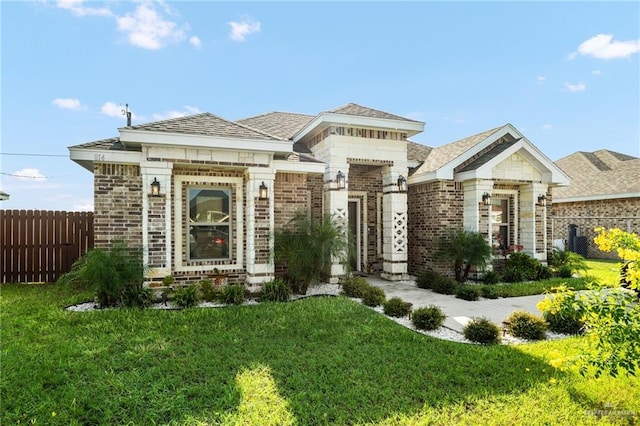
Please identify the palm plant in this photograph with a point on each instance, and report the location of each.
(308, 247)
(465, 249)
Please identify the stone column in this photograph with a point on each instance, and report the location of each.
(156, 220)
(528, 199)
(336, 204)
(259, 222)
(394, 223)
(473, 203)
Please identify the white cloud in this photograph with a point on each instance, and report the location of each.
(578, 87)
(29, 174)
(188, 110)
(146, 27)
(195, 41)
(240, 30)
(87, 206)
(541, 79)
(596, 72)
(68, 103)
(602, 46)
(546, 126)
(78, 8)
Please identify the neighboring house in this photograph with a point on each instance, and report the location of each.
(3, 196)
(201, 193)
(604, 192)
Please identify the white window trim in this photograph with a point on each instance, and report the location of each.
(228, 223)
(508, 193)
(179, 187)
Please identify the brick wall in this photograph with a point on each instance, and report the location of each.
(291, 194)
(622, 213)
(117, 204)
(156, 232)
(432, 209)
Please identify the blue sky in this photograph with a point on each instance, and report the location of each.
(567, 75)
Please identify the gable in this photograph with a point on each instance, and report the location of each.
(516, 167)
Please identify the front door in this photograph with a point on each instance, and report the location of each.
(354, 235)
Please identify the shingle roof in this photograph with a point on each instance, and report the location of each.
(417, 152)
(206, 124)
(107, 144)
(441, 155)
(281, 124)
(359, 110)
(491, 153)
(597, 173)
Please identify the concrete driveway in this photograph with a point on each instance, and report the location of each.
(458, 311)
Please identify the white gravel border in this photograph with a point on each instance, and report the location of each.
(443, 333)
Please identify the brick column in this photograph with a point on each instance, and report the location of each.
(156, 220)
(394, 222)
(259, 219)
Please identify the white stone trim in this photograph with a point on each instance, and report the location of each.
(362, 238)
(596, 197)
(237, 182)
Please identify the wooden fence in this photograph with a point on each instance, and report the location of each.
(39, 246)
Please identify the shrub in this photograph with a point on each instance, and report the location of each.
(110, 273)
(186, 297)
(564, 271)
(491, 277)
(396, 307)
(209, 292)
(468, 292)
(233, 294)
(167, 280)
(428, 318)
(373, 296)
(561, 313)
(353, 286)
(275, 291)
(481, 330)
(525, 325)
(544, 272)
(137, 296)
(444, 285)
(490, 292)
(465, 249)
(426, 278)
(520, 267)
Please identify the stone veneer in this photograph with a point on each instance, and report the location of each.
(623, 213)
(117, 204)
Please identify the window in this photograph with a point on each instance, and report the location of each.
(500, 224)
(209, 223)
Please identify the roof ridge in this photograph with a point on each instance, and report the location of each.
(492, 130)
(256, 130)
(174, 119)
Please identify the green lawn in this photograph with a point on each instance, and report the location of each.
(315, 361)
(604, 271)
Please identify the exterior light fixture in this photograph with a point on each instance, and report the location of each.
(155, 188)
(402, 184)
(486, 199)
(340, 180)
(264, 193)
(542, 200)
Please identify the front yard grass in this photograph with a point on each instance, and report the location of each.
(315, 361)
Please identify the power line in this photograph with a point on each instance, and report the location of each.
(33, 155)
(34, 177)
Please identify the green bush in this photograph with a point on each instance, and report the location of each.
(561, 313)
(544, 272)
(481, 330)
(354, 286)
(491, 277)
(525, 325)
(564, 271)
(426, 278)
(233, 294)
(468, 292)
(275, 291)
(209, 292)
(186, 297)
(466, 249)
(396, 307)
(559, 323)
(520, 267)
(137, 296)
(373, 296)
(444, 285)
(110, 273)
(428, 318)
(568, 261)
(490, 292)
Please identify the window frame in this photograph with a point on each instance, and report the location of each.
(228, 223)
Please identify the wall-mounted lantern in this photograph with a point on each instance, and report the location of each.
(402, 183)
(263, 194)
(486, 199)
(340, 180)
(542, 200)
(155, 188)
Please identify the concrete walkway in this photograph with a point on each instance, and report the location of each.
(458, 311)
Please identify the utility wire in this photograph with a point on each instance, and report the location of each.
(34, 155)
(34, 177)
